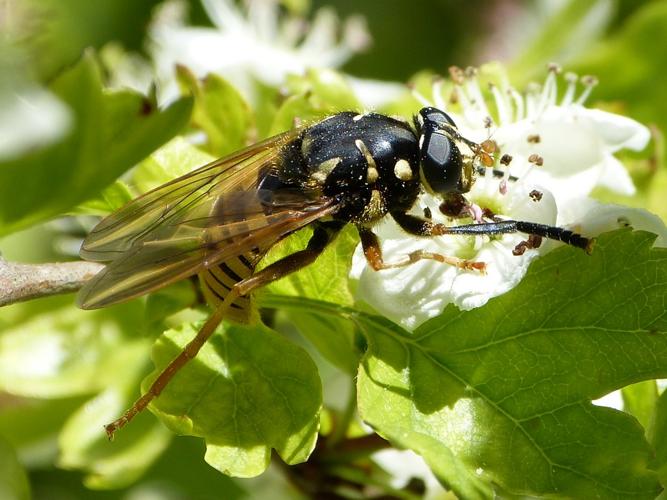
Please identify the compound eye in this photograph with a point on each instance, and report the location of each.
(435, 117)
(441, 163)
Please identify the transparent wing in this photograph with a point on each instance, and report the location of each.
(196, 221)
(185, 250)
(169, 204)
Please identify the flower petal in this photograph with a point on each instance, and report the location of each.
(615, 177)
(567, 143)
(618, 131)
(592, 218)
(412, 294)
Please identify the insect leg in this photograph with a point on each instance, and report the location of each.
(189, 352)
(421, 227)
(373, 253)
(324, 233)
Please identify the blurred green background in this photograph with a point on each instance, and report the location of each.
(622, 42)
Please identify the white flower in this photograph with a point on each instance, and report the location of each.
(405, 465)
(593, 217)
(412, 294)
(254, 43)
(575, 145)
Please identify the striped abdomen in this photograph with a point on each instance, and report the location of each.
(217, 281)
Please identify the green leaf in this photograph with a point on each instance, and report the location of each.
(335, 338)
(316, 95)
(247, 391)
(325, 88)
(13, 479)
(637, 46)
(219, 111)
(296, 109)
(32, 426)
(84, 444)
(174, 159)
(50, 349)
(175, 298)
(504, 392)
(634, 46)
(566, 30)
(326, 280)
(60, 30)
(111, 132)
(110, 199)
(658, 436)
(639, 401)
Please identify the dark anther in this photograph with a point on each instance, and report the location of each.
(505, 159)
(536, 159)
(427, 213)
(535, 195)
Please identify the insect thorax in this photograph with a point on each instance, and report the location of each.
(369, 162)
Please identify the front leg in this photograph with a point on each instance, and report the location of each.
(422, 227)
(373, 253)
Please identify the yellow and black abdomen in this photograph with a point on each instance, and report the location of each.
(245, 231)
(217, 281)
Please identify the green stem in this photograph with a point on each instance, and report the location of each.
(353, 449)
(304, 304)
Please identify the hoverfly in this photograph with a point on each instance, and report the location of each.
(218, 221)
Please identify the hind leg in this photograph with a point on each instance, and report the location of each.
(322, 236)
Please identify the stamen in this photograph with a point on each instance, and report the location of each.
(505, 160)
(589, 82)
(437, 93)
(322, 34)
(475, 92)
(457, 75)
(292, 31)
(502, 105)
(488, 122)
(518, 102)
(536, 159)
(467, 106)
(454, 96)
(355, 34)
(550, 90)
(536, 195)
(225, 16)
(571, 79)
(532, 95)
(419, 96)
(264, 17)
